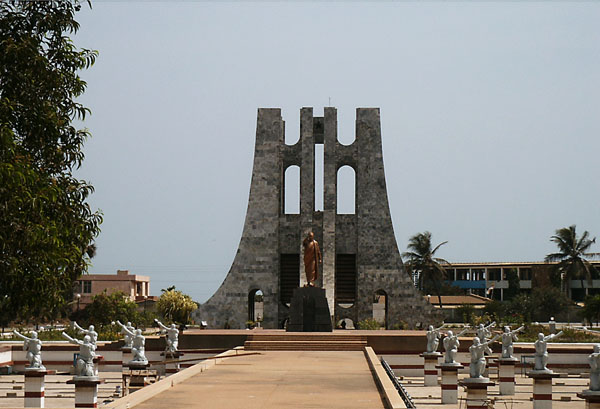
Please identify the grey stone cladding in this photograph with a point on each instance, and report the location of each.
(367, 236)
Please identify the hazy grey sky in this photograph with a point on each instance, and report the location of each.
(489, 118)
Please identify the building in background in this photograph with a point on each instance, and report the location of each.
(136, 287)
(492, 279)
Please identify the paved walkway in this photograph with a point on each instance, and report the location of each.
(278, 379)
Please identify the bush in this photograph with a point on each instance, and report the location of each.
(369, 324)
(175, 306)
(467, 312)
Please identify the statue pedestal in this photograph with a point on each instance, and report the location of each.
(542, 388)
(449, 384)
(126, 356)
(429, 367)
(86, 391)
(592, 399)
(477, 392)
(138, 375)
(35, 383)
(309, 311)
(506, 375)
(170, 366)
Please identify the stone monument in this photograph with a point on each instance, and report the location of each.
(86, 378)
(431, 356)
(90, 331)
(171, 354)
(359, 251)
(450, 367)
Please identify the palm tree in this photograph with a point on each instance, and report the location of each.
(420, 258)
(572, 256)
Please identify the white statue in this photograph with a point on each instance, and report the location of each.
(87, 353)
(90, 331)
(594, 360)
(33, 346)
(484, 333)
(477, 350)
(137, 345)
(508, 337)
(126, 330)
(541, 351)
(433, 339)
(172, 336)
(451, 345)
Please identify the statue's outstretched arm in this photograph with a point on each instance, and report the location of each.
(23, 337)
(160, 324)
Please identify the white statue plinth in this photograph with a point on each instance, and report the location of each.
(506, 375)
(592, 399)
(449, 383)
(477, 397)
(35, 384)
(170, 366)
(138, 375)
(542, 388)
(86, 391)
(429, 367)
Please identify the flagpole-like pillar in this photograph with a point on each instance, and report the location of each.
(86, 391)
(477, 397)
(35, 387)
(542, 388)
(449, 384)
(430, 372)
(506, 375)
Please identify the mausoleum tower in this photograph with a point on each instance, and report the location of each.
(362, 271)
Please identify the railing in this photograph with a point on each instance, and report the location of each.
(408, 401)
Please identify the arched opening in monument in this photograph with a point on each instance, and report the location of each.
(345, 323)
(346, 127)
(346, 190)
(380, 307)
(291, 127)
(291, 188)
(256, 303)
(319, 175)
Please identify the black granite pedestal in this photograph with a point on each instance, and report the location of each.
(309, 311)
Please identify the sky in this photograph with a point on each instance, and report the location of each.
(489, 115)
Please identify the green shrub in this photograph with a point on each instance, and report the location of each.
(369, 324)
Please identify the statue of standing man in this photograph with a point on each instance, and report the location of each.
(312, 258)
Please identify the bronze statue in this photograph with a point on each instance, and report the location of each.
(312, 258)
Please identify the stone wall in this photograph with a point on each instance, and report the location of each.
(268, 232)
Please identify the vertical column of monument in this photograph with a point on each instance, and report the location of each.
(329, 205)
(307, 180)
(378, 259)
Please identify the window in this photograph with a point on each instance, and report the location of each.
(87, 287)
(139, 288)
(525, 273)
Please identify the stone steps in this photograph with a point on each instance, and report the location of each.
(305, 345)
(307, 337)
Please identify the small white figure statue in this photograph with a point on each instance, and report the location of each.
(541, 351)
(484, 333)
(594, 361)
(137, 345)
(508, 337)
(33, 346)
(433, 339)
(126, 330)
(451, 345)
(87, 353)
(477, 350)
(172, 336)
(90, 331)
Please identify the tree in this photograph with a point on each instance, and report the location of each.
(47, 228)
(106, 308)
(176, 306)
(421, 259)
(571, 257)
